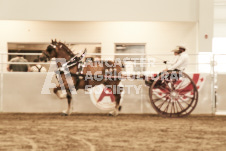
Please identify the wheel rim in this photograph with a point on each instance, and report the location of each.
(174, 97)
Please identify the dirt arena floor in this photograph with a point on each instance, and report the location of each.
(99, 132)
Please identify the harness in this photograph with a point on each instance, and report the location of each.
(72, 62)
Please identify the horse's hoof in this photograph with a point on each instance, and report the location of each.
(109, 114)
(113, 113)
(64, 114)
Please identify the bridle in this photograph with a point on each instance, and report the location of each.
(46, 54)
(74, 59)
(70, 53)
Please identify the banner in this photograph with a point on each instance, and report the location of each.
(104, 99)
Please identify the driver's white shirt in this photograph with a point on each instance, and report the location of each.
(181, 63)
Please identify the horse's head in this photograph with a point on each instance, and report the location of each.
(60, 50)
(51, 51)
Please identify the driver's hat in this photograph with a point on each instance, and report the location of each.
(179, 49)
(176, 50)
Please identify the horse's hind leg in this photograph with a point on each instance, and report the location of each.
(117, 100)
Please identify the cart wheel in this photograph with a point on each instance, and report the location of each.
(173, 94)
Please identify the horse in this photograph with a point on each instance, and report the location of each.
(101, 69)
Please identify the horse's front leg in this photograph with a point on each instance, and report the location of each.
(58, 92)
(69, 109)
(69, 87)
(55, 90)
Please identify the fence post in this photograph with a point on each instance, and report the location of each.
(213, 80)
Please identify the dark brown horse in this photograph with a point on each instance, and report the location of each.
(79, 80)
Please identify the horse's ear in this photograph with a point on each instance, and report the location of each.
(52, 41)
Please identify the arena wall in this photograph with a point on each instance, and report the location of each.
(22, 93)
(158, 37)
(100, 10)
(161, 24)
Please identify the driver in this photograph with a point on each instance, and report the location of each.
(181, 62)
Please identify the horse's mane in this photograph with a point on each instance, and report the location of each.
(65, 47)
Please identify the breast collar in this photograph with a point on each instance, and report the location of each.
(72, 62)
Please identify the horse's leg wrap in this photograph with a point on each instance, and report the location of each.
(69, 102)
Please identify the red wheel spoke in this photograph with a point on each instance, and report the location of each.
(165, 90)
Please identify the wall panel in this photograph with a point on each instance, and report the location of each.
(24, 95)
